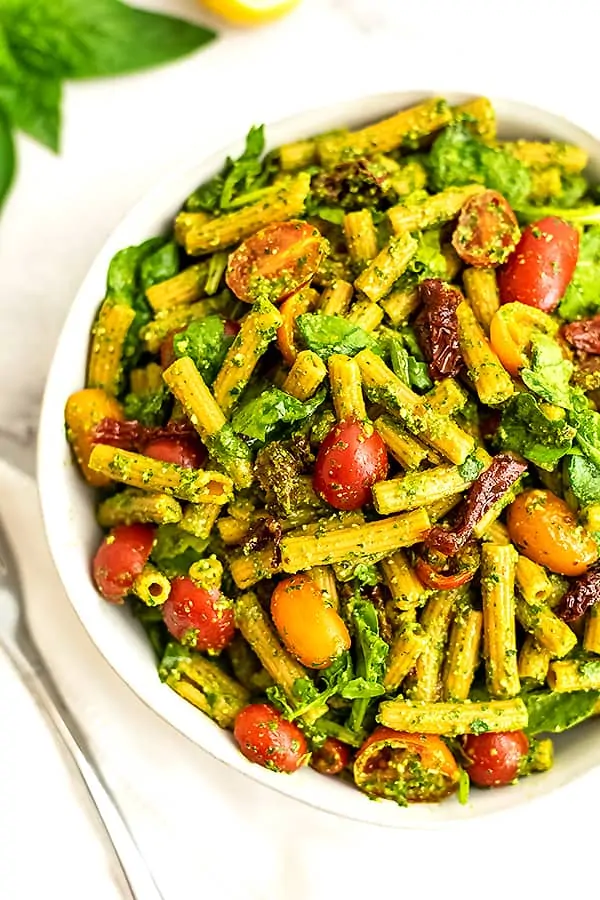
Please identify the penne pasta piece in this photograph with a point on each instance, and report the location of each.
(405, 449)
(297, 155)
(105, 365)
(399, 305)
(435, 622)
(539, 154)
(335, 299)
(567, 675)
(133, 505)
(346, 388)
(405, 589)
(407, 646)
(361, 237)
(532, 581)
(434, 210)
(366, 315)
(151, 586)
(248, 570)
(204, 684)
(492, 382)
(534, 661)
(462, 657)
(207, 573)
(446, 398)
(378, 278)
(499, 635)
(199, 518)
(479, 115)
(549, 631)
(453, 719)
(324, 578)
(179, 290)
(177, 318)
(136, 470)
(481, 289)
(146, 380)
(306, 376)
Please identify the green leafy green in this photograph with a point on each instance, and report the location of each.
(584, 479)
(205, 342)
(552, 712)
(457, 157)
(160, 266)
(175, 550)
(471, 468)
(261, 416)
(151, 409)
(579, 215)
(152, 621)
(582, 297)
(7, 157)
(325, 335)
(371, 654)
(527, 430)
(550, 372)
(33, 102)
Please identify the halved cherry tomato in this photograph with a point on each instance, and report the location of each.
(276, 261)
(198, 618)
(331, 758)
(307, 623)
(495, 757)
(545, 530)
(511, 331)
(183, 451)
(408, 768)
(266, 738)
(441, 573)
(349, 462)
(487, 231)
(120, 558)
(294, 306)
(540, 269)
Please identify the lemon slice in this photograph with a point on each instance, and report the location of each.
(250, 12)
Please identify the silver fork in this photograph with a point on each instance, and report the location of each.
(16, 639)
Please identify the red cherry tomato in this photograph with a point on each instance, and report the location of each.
(495, 757)
(120, 558)
(266, 738)
(350, 460)
(332, 758)
(198, 618)
(540, 269)
(183, 451)
(276, 261)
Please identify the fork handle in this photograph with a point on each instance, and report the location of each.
(139, 881)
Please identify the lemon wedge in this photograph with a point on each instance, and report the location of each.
(250, 12)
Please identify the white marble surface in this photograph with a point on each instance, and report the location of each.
(121, 135)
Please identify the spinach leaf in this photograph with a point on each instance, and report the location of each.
(175, 550)
(527, 430)
(371, 654)
(582, 297)
(428, 261)
(205, 342)
(587, 423)
(584, 479)
(261, 416)
(325, 335)
(7, 157)
(550, 372)
(552, 712)
(151, 409)
(160, 266)
(457, 157)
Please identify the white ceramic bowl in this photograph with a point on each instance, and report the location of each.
(68, 506)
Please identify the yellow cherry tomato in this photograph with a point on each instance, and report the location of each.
(545, 530)
(83, 411)
(511, 331)
(307, 623)
(250, 12)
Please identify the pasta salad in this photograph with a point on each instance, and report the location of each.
(342, 422)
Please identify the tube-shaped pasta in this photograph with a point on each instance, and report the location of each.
(406, 647)
(284, 201)
(453, 719)
(446, 398)
(437, 431)
(83, 411)
(305, 376)
(366, 315)
(301, 552)
(453, 261)
(389, 134)
(151, 586)
(399, 305)
(532, 581)
(188, 386)
(232, 531)
(199, 518)
(418, 489)
(407, 450)
(136, 470)
(297, 155)
(409, 177)
(539, 154)
(248, 570)
(377, 279)
(346, 388)
(462, 657)
(324, 578)
(481, 289)
(183, 288)
(170, 320)
(591, 640)
(435, 622)
(335, 299)
(549, 631)
(492, 382)
(146, 380)
(132, 505)
(498, 600)
(257, 330)
(361, 237)
(433, 210)
(566, 675)
(105, 365)
(203, 683)
(479, 115)
(207, 573)
(533, 661)
(405, 589)
(441, 508)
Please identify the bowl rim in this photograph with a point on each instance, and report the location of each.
(51, 447)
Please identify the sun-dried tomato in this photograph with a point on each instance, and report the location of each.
(583, 593)
(132, 435)
(584, 335)
(504, 470)
(437, 328)
(264, 532)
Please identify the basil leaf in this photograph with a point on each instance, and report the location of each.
(526, 429)
(7, 156)
(261, 416)
(205, 342)
(34, 105)
(175, 550)
(325, 335)
(552, 712)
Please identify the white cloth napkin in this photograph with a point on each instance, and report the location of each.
(205, 828)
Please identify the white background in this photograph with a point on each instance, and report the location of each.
(119, 137)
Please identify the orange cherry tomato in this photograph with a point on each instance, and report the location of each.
(294, 306)
(276, 261)
(441, 573)
(487, 231)
(545, 530)
(511, 331)
(307, 623)
(408, 768)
